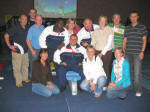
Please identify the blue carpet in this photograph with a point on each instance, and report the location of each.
(13, 99)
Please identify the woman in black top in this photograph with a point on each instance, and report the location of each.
(41, 76)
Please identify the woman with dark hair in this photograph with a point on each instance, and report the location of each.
(41, 76)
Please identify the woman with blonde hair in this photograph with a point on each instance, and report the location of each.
(72, 27)
(102, 41)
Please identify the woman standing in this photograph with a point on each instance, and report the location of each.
(95, 76)
(120, 77)
(41, 76)
(72, 27)
(102, 41)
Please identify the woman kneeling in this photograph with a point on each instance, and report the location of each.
(95, 77)
(120, 77)
(41, 76)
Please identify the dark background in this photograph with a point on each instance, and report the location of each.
(85, 8)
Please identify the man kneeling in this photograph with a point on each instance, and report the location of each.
(69, 58)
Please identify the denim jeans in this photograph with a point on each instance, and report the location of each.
(117, 91)
(85, 85)
(42, 90)
(135, 71)
(31, 59)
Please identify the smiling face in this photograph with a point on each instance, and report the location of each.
(44, 56)
(116, 19)
(102, 21)
(134, 17)
(23, 20)
(38, 20)
(32, 14)
(60, 24)
(73, 40)
(90, 52)
(71, 25)
(118, 54)
(88, 24)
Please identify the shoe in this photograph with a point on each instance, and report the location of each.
(19, 85)
(27, 81)
(1, 78)
(122, 98)
(62, 89)
(81, 90)
(104, 88)
(97, 96)
(138, 94)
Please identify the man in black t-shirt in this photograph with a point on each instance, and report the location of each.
(32, 15)
(19, 48)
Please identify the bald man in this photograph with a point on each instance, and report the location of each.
(84, 35)
(19, 49)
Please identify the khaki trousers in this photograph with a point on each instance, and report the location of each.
(20, 64)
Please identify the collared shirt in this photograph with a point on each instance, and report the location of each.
(34, 34)
(19, 35)
(134, 37)
(118, 35)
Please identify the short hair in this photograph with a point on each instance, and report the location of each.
(120, 49)
(134, 11)
(22, 14)
(68, 21)
(105, 17)
(116, 14)
(91, 47)
(33, 9)
(39, 15)
(87, 19)
(59, 19)
(74, 36)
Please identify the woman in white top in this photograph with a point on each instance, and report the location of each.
(95, 76)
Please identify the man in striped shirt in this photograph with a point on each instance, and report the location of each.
(118, 29)
(134, 45)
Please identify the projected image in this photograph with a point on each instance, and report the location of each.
(56, 8)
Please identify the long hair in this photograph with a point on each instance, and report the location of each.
(69, 20)
(43, 50)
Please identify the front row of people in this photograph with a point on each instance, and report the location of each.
(93, 77)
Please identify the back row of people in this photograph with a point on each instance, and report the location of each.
(105, 38)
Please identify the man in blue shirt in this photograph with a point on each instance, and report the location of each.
(33, 40)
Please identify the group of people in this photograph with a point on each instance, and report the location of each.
(88, 51)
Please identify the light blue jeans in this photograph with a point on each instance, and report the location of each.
(85, 85)
(42, 90)
(117, 92)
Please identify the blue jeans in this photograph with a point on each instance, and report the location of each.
(85, 85)
(42, 90)
(135, 71)
(117, 91)
(31, 59)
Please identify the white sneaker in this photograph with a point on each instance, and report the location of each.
(104, 88)
(53, 73)
(1, 78)
(1, 87)
(138, 94)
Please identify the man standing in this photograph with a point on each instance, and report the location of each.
(19, 48)
(84, 35)
(32, 15)
(69, 58)
(33, 40)
(53, 37)
(134, 45)
(118, 30)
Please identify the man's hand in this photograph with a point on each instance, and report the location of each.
(12, 47)
(64, 63)
(33, 53)
(111, 85)
(60, 46)
(92, 86)
(141, 55)
(85, 44)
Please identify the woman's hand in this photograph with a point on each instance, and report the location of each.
(64, 63)
(100, 55)
(50, 85)
(92, 85)
(111, 85)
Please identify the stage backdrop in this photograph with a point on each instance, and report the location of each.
(56, 8)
